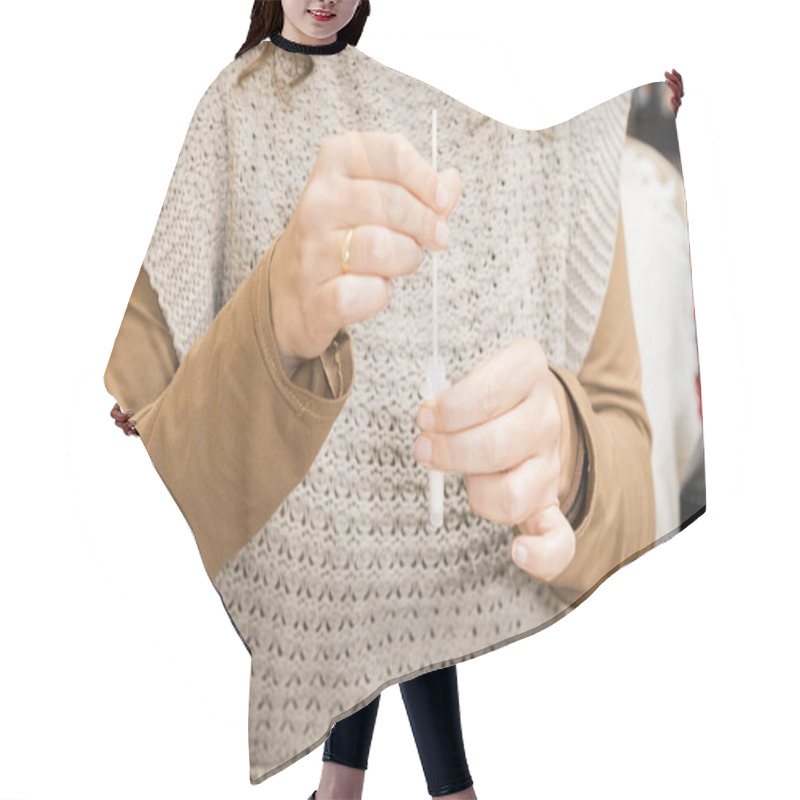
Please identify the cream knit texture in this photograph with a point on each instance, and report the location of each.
(347, 589)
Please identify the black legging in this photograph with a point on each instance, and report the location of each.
(432, 706)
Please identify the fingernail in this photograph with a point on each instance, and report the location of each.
(442, 197)
(520, 555)
(423, 449)
(442, 233)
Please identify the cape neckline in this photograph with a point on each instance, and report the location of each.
(311, 49)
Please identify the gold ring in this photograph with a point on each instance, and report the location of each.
(346, 251)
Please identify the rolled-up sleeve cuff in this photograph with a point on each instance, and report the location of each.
(581, 512)
(320, 384)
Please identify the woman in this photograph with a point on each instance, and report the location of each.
(331, 266)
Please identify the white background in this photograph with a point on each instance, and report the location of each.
(120, 673)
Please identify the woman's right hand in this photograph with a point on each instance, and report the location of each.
(380, 185)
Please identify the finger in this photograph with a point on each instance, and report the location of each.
(675, 79)
(393, 206)
(391, 157)
(122, 419)
(390, 183)
(118, 414)
(513, 496)
(379, 250)
(452, 180)
(677, 89)
(547, 545)
(488, 390)
(528, 429)
(376, 250)
(353, 298)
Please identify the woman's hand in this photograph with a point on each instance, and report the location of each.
(379, 184)
(122, 419)
(675, 82)
(501, 425)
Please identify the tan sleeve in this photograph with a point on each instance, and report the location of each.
(230, 433)
(615, 519)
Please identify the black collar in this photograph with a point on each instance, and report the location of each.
(311, 49)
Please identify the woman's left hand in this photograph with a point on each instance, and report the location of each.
(122, 419)
(501, 426)
(675, 82)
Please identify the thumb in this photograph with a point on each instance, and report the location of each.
(546, 544)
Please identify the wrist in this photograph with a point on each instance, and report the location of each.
(290, 363)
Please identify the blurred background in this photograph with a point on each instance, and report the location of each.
(659, 266)
(652, 120)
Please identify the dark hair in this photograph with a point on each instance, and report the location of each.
(266, 18)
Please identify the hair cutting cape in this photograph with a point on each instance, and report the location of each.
(307, 504)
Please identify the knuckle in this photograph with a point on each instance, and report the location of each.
(314, 198)
(351, 138)
(535, 353)
(328, 147)
(353, 143)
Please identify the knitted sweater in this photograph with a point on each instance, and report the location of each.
(307, 504)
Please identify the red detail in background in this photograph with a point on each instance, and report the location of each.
(697, 375)
(699, 397)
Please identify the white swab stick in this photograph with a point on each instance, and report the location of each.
(435, 160)
(436, 380)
